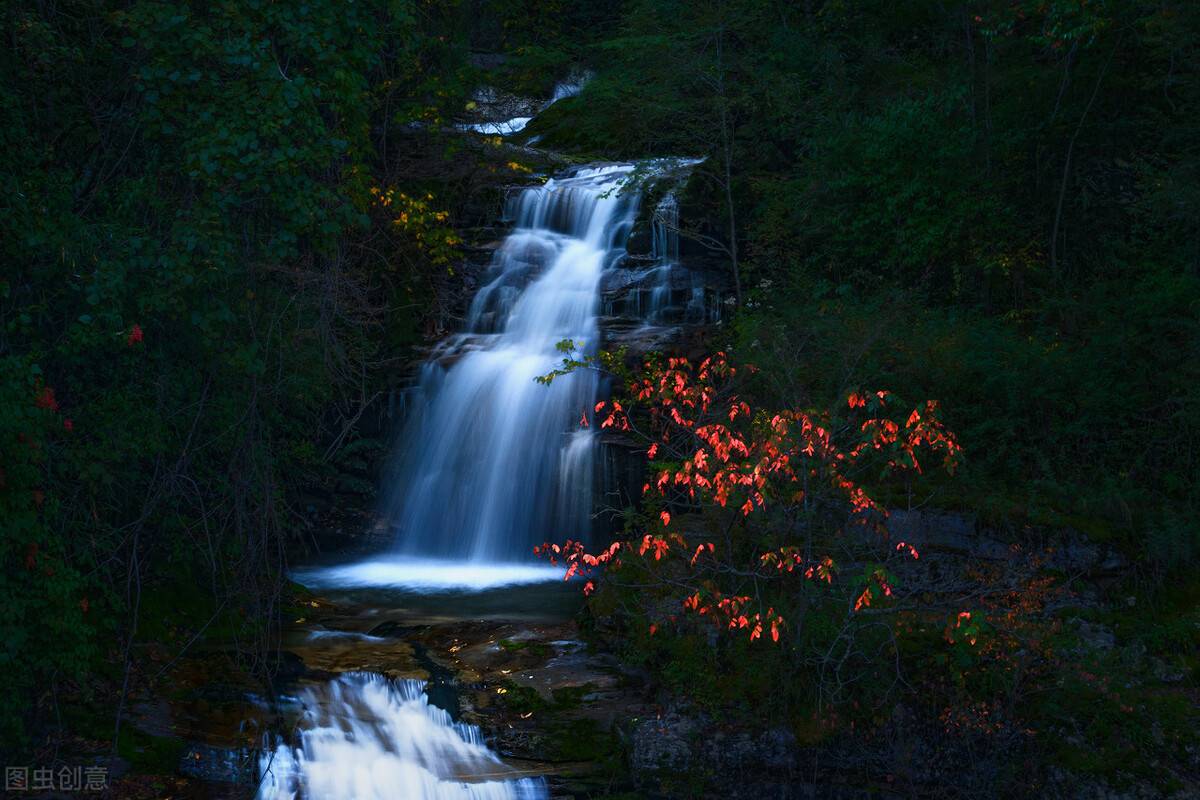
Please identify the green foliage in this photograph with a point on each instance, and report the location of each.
(584, 740)
(989, 203)
(541, 40)
(45, 625)
(186, 196)
(538, 649)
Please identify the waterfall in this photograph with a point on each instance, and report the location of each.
(493, 462)
(370, 738)
(676, 294)
(665, 229)
(570, 87)
(665, 250)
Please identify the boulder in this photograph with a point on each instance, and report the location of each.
(663, 743)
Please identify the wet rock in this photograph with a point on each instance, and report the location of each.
(942, 530)
(737, 751)
(1065, 549)
(349, 652)
(392, 629)
(1071, 551)
(494, 105)
(619, 279)
(691, 341)
(640, 241)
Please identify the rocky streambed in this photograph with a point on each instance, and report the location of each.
(510, 660)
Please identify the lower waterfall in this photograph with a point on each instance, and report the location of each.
(370, 738)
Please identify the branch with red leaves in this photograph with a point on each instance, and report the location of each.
(708, 446)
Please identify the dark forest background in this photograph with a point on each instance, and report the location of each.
(995, 203)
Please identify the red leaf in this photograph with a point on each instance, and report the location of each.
(45, 399)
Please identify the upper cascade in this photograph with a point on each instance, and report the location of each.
(528, 108)
(493, 462)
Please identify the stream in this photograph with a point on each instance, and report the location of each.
(490, 463)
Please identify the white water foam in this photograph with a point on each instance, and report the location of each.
(369, 738)
(505, 128)
(424, 574)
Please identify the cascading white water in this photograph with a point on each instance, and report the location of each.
(369, 738)
(678, 295)
(570, 87)
(665, 228)
(665, 249)
(494, 462)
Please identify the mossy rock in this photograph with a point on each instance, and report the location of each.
(534, 648)
(580, 740)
